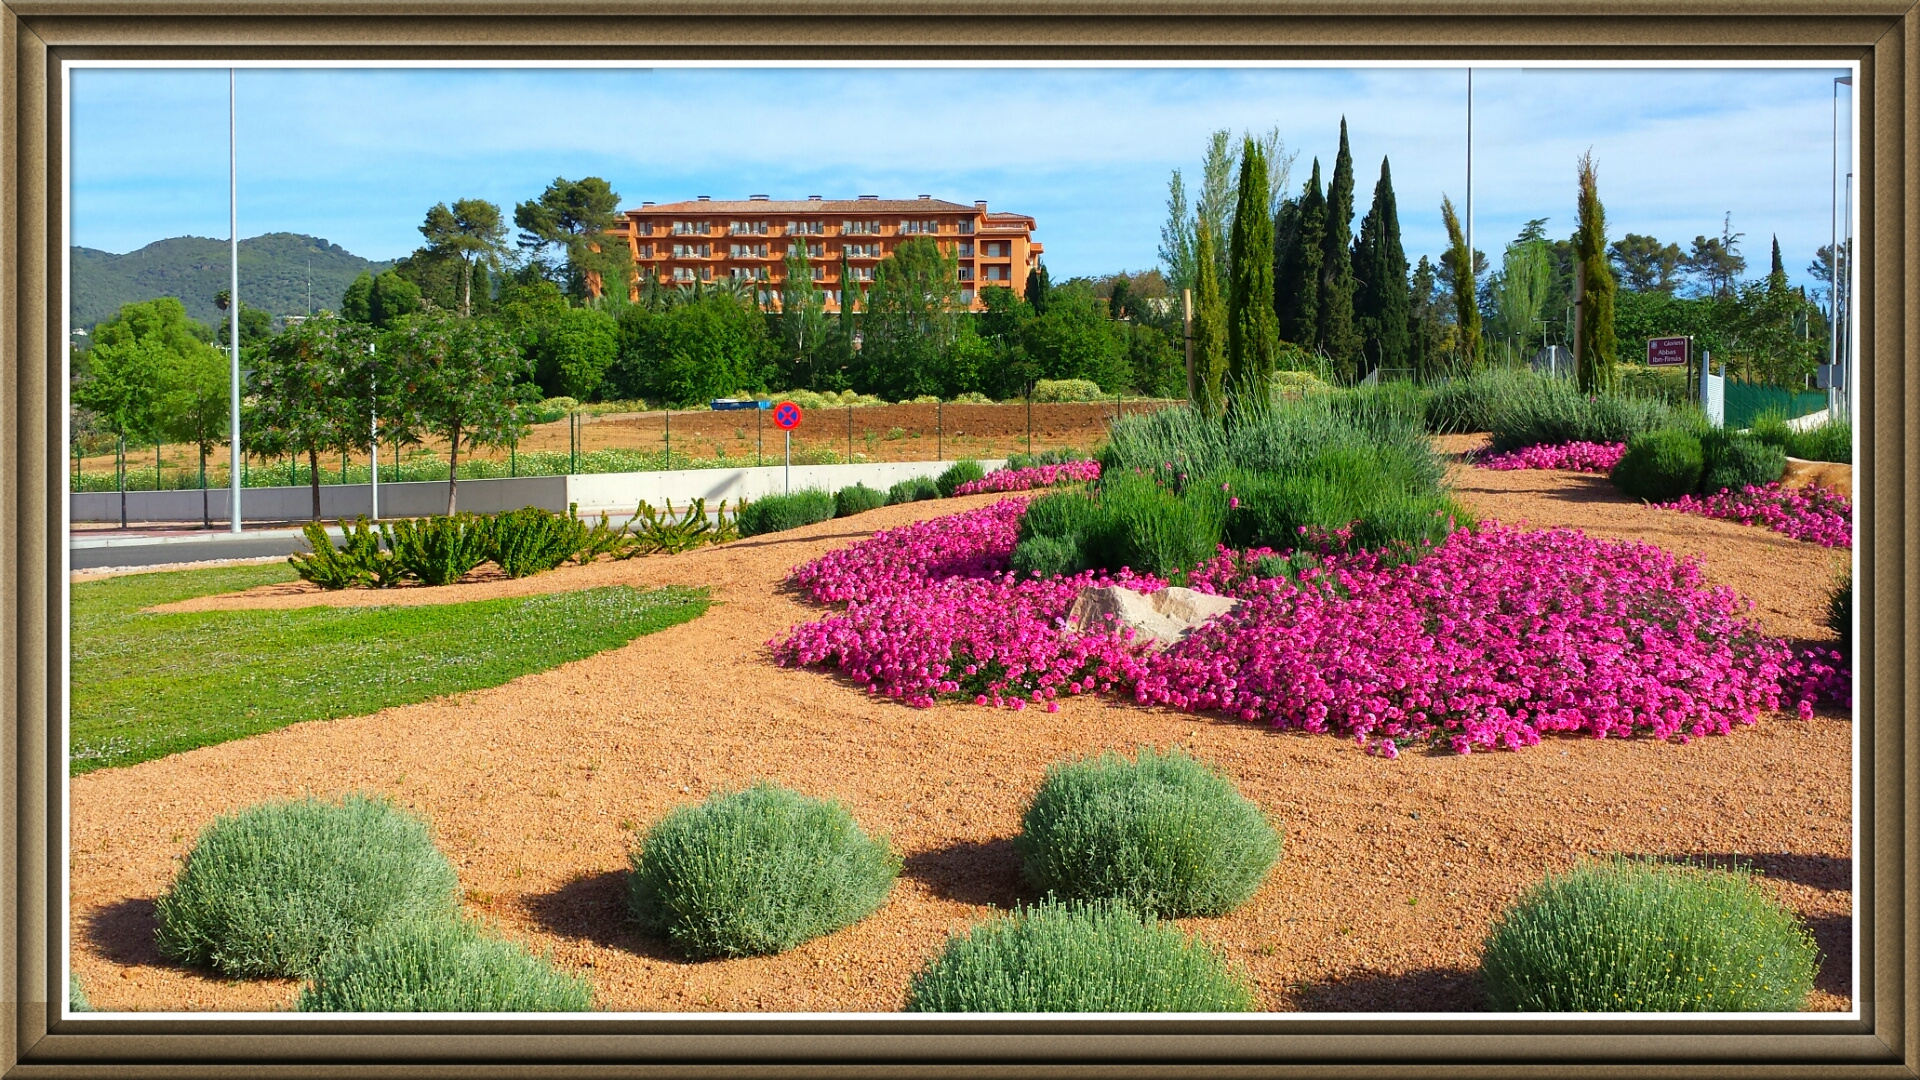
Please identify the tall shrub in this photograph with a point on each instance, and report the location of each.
(1209, 327)
(1382, 306)
(1470, 347)
(1595, 347)
(1338, 335)
(1253, 337)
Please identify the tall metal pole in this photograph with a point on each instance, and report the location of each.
(373, 386)
(1833, 258)
(233, 293)
(1186, 306)
(1469, 173)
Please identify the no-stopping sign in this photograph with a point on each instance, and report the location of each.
(786, 416)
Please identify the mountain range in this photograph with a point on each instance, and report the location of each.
(278, 273)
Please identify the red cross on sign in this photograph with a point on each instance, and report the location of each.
(786, 416)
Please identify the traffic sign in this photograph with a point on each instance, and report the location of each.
(786, 416)
(1668, 351)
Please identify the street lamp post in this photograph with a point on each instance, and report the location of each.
(1833, 258)
(373, 440)
(233, 291)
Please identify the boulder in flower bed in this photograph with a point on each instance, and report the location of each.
(1161, 618)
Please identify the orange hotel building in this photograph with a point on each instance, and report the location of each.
(702, 240)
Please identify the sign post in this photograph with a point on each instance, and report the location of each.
(1670, 352)
(786, 417)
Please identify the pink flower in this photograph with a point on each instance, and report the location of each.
(1575, 456)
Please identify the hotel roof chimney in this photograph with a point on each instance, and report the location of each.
(813, 198)
(867, 198)
(979, 204)
(704, 198)
(757, 198)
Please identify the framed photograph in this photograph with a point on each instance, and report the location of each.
(1110, 542)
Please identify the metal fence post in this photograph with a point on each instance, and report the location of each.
(939, 432)
(849, 434)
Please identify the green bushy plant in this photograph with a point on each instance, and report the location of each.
(1153, 529)
(1077, 957)
(601, 539)
(757, 872)
(654, 532)
(1161, 832)
(1371, 490)
(439, 550)
(971, 397)
(1831, 441)
(1471, 402)
(1630, 936)
(1559, 413)
(327, 566)
(857, 499)
(1063, 390)
(1056, 455)
(917, 489)
(778, 513)
(531, 540)
(1731, 461)
(440, 965)
(1660, 465)
(77, 995)
(1046, 556)
(272, 889)
(960, 472)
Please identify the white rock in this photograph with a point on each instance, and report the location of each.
(1161, 618)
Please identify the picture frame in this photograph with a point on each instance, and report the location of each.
(38, 36)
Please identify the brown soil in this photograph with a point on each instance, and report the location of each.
(1392, 872)
(880, 433)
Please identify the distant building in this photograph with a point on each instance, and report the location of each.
(683, 243)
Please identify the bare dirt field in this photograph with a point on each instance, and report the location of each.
(1391, 875)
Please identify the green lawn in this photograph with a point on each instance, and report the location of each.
(145, 686)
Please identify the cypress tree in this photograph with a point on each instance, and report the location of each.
(1253, 339)
(1777, 276)
(1426, 332)
(1296, 288)
(1209, 326)
(1460, 276)
(1594, 357)
(1337, 334)
(1382, 306)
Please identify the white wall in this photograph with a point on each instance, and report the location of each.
(622, 492)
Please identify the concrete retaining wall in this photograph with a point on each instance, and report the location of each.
(612, 492)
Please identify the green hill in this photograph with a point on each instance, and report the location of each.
(274, 272)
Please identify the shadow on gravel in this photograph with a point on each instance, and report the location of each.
(123, 933)
(971, 872)
(1833, 935)
(594, 908)
(1426, 990)
(1814, 871)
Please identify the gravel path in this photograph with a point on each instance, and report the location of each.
(1391, 875)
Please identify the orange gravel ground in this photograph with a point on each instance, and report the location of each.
(1391, 875)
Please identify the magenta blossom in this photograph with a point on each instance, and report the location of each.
(1575, 456)
(1816, 514)
(1027, 479)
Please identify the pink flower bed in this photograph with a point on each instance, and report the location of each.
(1493, 638)
(1812, 513)
(1039, 476)
(1576, 456)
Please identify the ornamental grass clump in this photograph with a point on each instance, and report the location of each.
(918, 489)
(440, 965)
(1733, 461)
(1161, 832)
(757, 872)
(1078, 957)
(778, 513)
(271, 890)
(1630, 936)
(958, 473)
(1660, 465)
(1556, 412)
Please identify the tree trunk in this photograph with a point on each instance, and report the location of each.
(453, 468)
(466, 304)
(206, 514)
(313, 460)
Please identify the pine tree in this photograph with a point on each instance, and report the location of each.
(1593, 357)
(1252, 337)
(1209, 327)
(1296, 287)
(1337, 334)
(1470, 348)
(1382, 306)
(1777, 277)
(1426, 330)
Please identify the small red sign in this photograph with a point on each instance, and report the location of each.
(786, 416)
(1668, 351)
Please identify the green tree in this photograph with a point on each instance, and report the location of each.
(1005, 313)
(255, 323)
(1594, 351)
(1253, 337)
(1039, 283)
(1777, 273)
(1302, 249)
(803, 318)
(572, 351)
(704, 345)
(1337, 334)
(393, 298)
(356, 304)
(910, 322)
(122, 389)
(574, 216)
(462, 380)
(1715, 263)
(1074, 339)
(1520, 292)
(1382, 308)
(1209, 331)
(471, 231)
(1177, 235)
(308, 393)
(1645, 264)
(1219, 198)
(195, 406)
(1469, 348)
(1427, 329)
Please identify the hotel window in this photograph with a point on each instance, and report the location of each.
(966, 273)
(994, 249)
(747, 228)
(966, 296)
(690, 228)
(966, 251)
(916, 228)
(819, 273)
(995, 273)
(861, 273)
(706, 273)
(816, 251)
(861, 251)
(966, 228)
(860, 228)
(832, 295)
(806, 228)
(646, 251)
(683, 273)
(748, 273)
(748, 251)
(692, 251)
(646, 228)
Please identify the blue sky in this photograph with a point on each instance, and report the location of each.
(357, 155)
